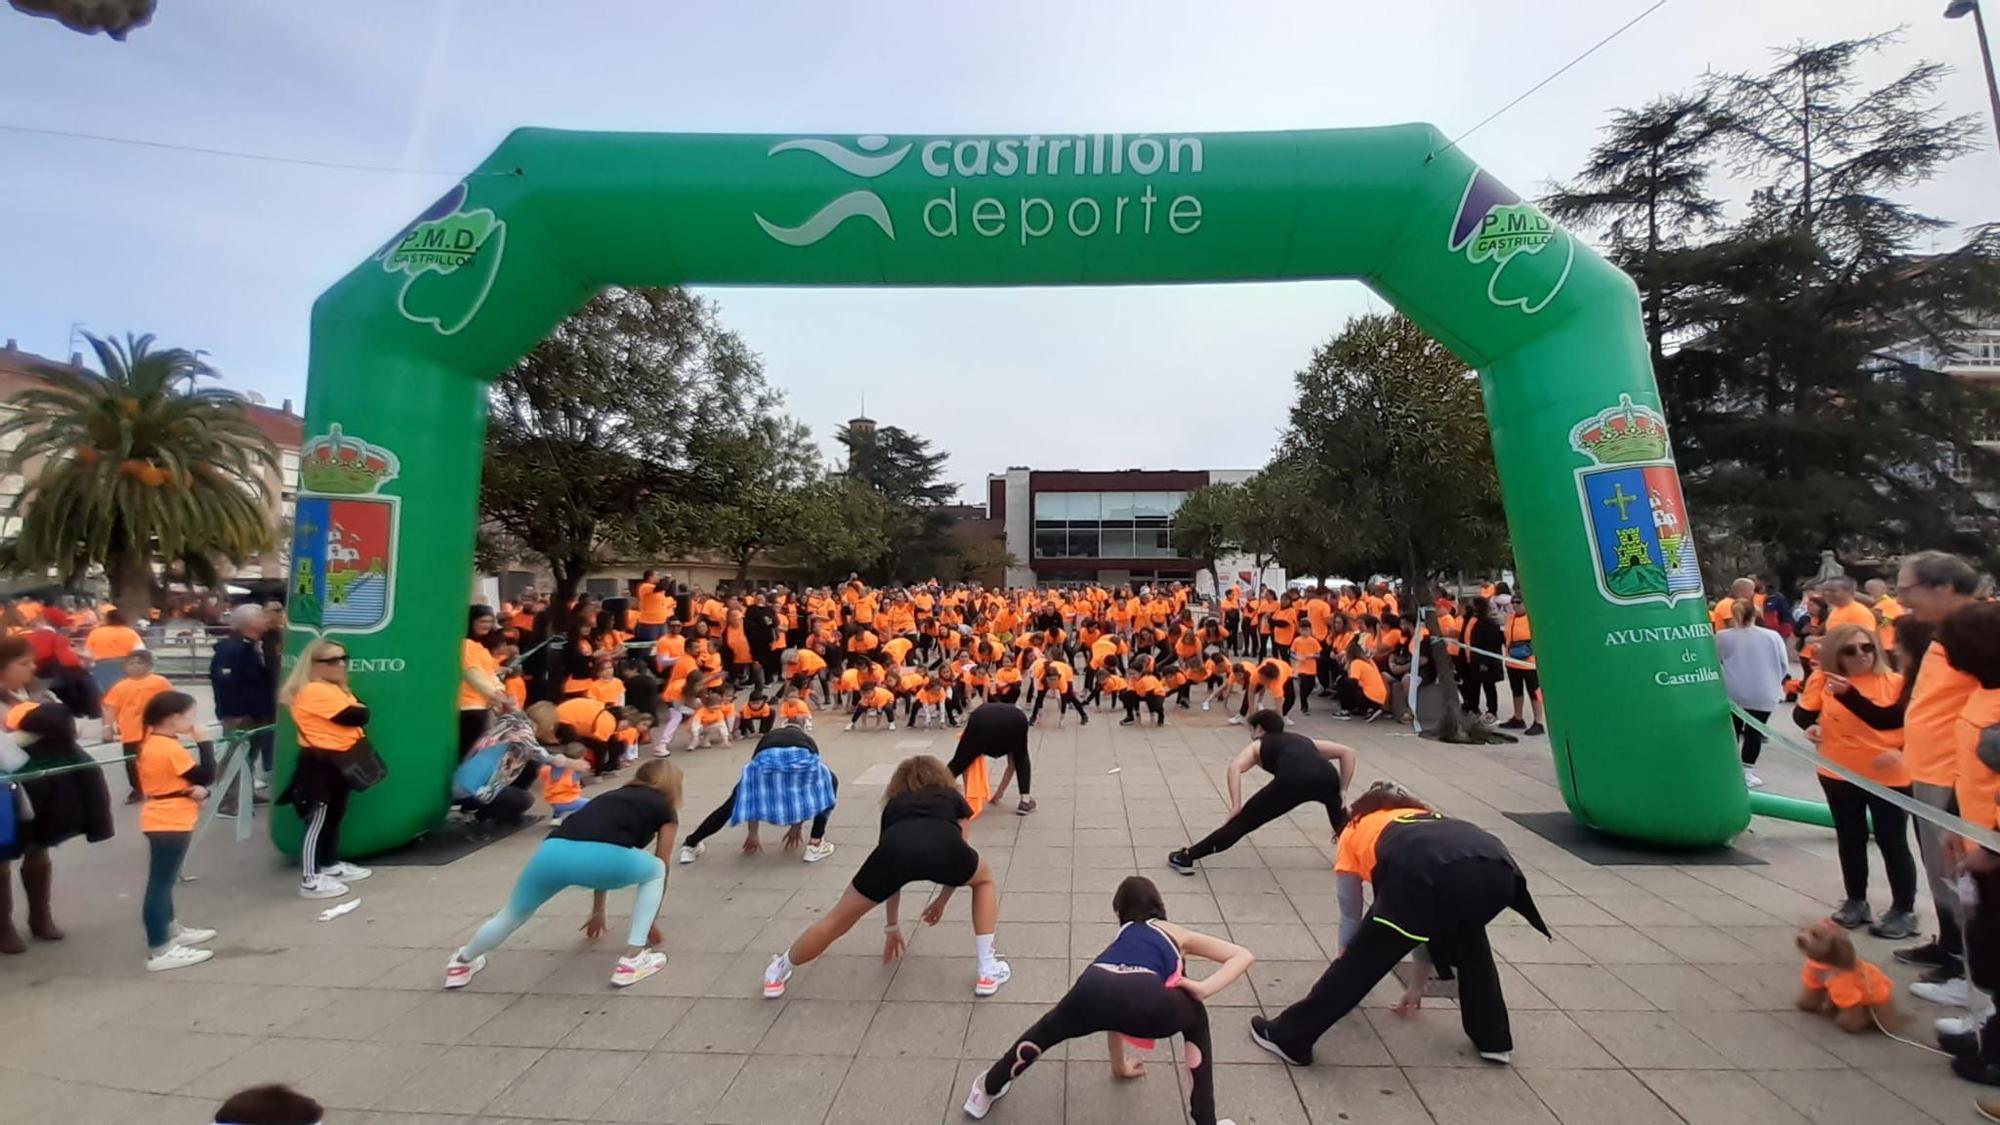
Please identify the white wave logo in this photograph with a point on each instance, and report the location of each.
(863, 203)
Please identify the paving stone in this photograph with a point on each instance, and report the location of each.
(1491, 1096)
(1719, 1098)
(1593, 1097)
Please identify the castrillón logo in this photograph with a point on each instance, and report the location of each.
(1102, 164)
(865, 204)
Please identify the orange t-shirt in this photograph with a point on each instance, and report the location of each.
(794, 709)
(313, 709)
(877, 697)
(1305, 655)
(654, 605)
(588, 717)
(1284, 625)
(1274, 675)
(1149, 685)
(1845, 739)
(610, 692)
(112, 642)
(162, 761)
(1849, 988)
(1978, 787)
(1930, 725)
(472, 654)
(1853, 613)
(560, 786)
(809, 663)
(126, 703)
(1369, 677)
(1355, 853)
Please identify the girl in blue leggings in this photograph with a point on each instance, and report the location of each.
(621, 839)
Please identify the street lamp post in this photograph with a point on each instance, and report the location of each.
(1957, 9)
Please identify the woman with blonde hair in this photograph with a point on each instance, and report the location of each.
(1850, 656)
(331, 723)
(924, 821)
(619, 839)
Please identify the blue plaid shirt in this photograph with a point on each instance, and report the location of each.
(783, 785)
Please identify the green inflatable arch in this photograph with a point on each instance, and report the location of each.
(402, 347)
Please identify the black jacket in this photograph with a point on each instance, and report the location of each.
(245, 686)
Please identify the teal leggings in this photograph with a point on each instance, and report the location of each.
(561, 864)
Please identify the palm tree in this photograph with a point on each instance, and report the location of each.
(136, 464)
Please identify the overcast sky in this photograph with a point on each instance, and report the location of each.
(227, 254)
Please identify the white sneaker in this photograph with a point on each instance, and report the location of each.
(1752, 780)
(892, 725)
(819, 851)
(632, 970)
(1953, 993)
(849, 726)
(1501, 1057)
(978, 1101)
(348, 872)
(322, 886)
(660, 751)
(692, 852)
(774, 983)
(1966, 1024)
(991, 978)
(458, 974)
(1235, 720)
(177, 957)
(1204, 704)
(192, 935)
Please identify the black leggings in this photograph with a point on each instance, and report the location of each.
(1290, 697)
(1281, 796)
(1352, 698)
(1375, 950)
(1065, 700)
(471, 728)
(1023, 770)
(1134, 1004)
(1155, 706)
(1473, 678)
(1852, 808)
(717, 820)
(1748, 737)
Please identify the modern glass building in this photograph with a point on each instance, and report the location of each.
(1069, 526)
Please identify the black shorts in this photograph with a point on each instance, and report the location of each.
(916, 851)
(1524, 679)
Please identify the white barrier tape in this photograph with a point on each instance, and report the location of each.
(1985, 837)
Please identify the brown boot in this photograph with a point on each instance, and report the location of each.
(10, 938)
(36, 875)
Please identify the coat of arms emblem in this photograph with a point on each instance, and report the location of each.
(1640, 539)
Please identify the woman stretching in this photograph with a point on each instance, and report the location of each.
(923, 839)
(1301, 773)
(619, 839)
(1135, 989)
(998, 730)
(1438, 884)
(786, 782)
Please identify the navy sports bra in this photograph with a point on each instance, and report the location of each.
(1142, 946)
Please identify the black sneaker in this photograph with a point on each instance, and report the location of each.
(1180, 862)
(1126, 722)
(1853, 914)
(1535, 730)
(1943, 973)
(1260, 1034)
(1896, 925)
(1959, 1044)
(1972, 1068)
(1512, 724)
(1931, 953)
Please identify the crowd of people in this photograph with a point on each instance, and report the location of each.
(1897, 686)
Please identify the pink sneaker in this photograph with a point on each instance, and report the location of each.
(990, 979)
(458, 974)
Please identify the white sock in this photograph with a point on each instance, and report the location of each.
(984, 942)
(779, 967)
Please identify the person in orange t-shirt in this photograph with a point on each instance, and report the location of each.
(1852, 659)
(124, 710)
(108, 645)
(175, 783)
(1146, 688)
(330, 722)
(1363, 691)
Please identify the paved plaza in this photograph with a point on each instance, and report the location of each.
(1666, 996)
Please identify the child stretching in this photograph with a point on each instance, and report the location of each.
(711, 723)
(794, 711)
(876, 700)
(124, 712)
(175, 783)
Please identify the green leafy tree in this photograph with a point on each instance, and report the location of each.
(620, 433)
(898, 464)
(842, 528)
(1798, 346)
(1206, 525)
(1388, 445)
(137, 464)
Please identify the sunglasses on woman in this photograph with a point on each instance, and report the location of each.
(341, 659)
(1858, 650)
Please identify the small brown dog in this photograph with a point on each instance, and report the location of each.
(1839, 983)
